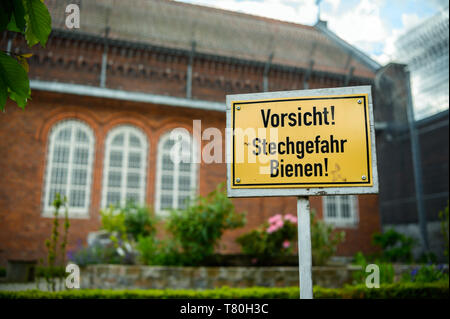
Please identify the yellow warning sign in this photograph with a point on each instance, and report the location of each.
(301, 142)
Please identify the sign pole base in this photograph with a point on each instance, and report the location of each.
(304, 248)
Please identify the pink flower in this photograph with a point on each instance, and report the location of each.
(286, 244)
(275, 218)
(291, 218)
(271, 229)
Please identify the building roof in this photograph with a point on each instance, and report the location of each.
(218, 32)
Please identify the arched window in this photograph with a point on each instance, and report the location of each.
(176, 175)
(124, 173)
(69, 166)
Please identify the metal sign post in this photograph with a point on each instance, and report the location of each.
(304, 248)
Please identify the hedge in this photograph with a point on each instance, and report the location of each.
(397, 290)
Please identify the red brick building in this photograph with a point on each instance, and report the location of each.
(105, 96)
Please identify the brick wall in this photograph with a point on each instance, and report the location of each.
(22, 161)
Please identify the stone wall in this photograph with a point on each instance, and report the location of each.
(157, 277)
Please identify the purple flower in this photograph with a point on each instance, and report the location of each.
(414, 272)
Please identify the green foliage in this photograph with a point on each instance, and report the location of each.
(391, 291)
(324, 240)
(96, 255)
(131, 220)
(50, 274)
(443, 216)
(198, 228)
(2, 272)
(387, 273)
(153, 251)
(32, 19)
(395, 247)
(426, 274)
(272, 239)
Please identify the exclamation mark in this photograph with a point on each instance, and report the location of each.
(326, 165)
(332, 114)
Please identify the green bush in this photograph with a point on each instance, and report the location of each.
(198, 228)
(426, 274)
(97, 254)
(395, 247)
(443, 216)
(272, 239)
(396, 291)
(153, 251)
(275, 237)
(2, 272)
(324, 240)
(129, 221)
(387, 273)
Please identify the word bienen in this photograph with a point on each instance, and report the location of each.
(298, 119)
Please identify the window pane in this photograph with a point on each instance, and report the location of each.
(76, 198)
(79, 177)
(81, 155)
(133, 180)
(118, 140)
(345, 207)
(53, 191)
(81, 137)
(134, 141)
(115, 159)
(59, 176)
(134, 160)
(132, 197)
(331, 207)
(114, 179)
(64, 135)
(167, 164)
(185, 167)
(167, 182)
(182, 201)
(168, 144)
(184, 183)
(112, 198)
(61, 154)
(166, 201)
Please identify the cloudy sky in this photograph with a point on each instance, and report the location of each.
(370, 25)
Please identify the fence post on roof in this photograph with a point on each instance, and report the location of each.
(189, 71)
(266, 73)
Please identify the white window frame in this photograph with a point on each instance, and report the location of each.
(176, 173)
(339, 221)
(74, 212)
(142, 171)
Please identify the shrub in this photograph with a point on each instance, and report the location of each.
(392, 291)
(2, 272)
(426, 274)
(96, 255)
(387, 273)
(443, 216)
(198, 228)
(395, 247)
(274, 238)
(153, 251)
(324, 240)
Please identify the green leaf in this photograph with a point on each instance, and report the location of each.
(19, 14)
(12, 25)
(15, 79)
(38, 22)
